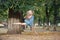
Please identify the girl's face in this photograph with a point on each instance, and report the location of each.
(29, 13)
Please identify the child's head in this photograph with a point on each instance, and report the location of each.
(30, 12)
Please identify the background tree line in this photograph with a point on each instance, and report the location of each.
(45, 10)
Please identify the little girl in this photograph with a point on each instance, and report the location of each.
(29, 19)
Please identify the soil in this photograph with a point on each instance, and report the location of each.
(42, 36)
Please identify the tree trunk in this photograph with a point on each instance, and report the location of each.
(47, 15)
(14, 17)
(55, 14)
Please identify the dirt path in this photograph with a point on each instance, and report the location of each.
(53, 36)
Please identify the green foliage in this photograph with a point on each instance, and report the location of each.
(37, 5)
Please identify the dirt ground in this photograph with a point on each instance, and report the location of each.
(38, 34)
(42, 36)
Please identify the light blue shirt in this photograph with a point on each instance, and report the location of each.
(30, 21)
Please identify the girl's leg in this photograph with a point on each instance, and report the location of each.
(30, 28)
